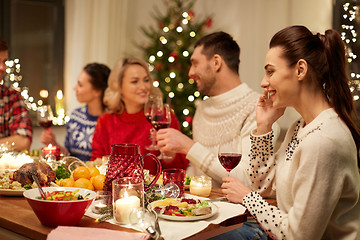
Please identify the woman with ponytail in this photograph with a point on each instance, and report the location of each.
(314, 175)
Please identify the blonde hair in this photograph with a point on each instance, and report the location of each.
(112, 96)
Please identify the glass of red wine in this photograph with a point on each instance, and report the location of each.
(229, 153)
(157, 100)
(45, 116)
(161, 118)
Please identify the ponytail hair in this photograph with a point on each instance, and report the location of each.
(325, 55)
(337, 85)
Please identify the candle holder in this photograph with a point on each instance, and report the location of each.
(200, 186)
(127, 194)
(51, 150)
(102, 202)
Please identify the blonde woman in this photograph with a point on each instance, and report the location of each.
(129, 88)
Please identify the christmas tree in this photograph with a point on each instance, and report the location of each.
(168, 54)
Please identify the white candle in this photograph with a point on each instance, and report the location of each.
(200, 186)
(200, 190)
(123, 208)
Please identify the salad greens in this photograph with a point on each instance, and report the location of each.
(62, 173)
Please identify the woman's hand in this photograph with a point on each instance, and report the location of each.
(266, 114)
(234, 190)
(48, 137)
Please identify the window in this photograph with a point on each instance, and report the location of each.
(34, 31)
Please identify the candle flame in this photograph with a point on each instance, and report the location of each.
(59, 94)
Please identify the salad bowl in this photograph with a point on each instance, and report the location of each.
(54, 213)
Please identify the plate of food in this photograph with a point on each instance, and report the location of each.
(11, 192)
(184, 209)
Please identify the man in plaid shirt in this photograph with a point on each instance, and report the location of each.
(15, 122)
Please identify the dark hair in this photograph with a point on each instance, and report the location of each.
(3, 46)
(223, 44)
(99, 74)
(325, 55)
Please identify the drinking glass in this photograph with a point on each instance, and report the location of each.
(177, 176)
(157, 101)
(161, 118)
(229, 153)
(45, 116)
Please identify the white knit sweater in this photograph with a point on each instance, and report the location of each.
(231, 113)
(316, 179)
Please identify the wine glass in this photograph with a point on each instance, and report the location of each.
(161, 118)
(157, 100)
(229, 153)
(45, 116)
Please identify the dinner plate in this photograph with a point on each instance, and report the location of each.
(10, 192)
(214, 210)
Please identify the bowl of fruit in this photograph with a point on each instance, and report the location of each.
(63, 206)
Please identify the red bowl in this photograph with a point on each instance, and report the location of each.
(55, 213)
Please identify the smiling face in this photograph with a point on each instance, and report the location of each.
(85, 93)
(280, 79)
(201, 72)
(135, 88)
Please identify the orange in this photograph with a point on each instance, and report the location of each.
(98, 182)
(83, 183)
(81, 172)
(93, 171)
(67, 182)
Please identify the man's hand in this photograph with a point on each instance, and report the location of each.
(172, 140)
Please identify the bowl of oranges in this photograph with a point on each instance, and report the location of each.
(83, 176)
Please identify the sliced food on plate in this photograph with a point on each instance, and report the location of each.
(182, 207)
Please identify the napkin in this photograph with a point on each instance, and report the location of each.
(84, 233)
(173, 230)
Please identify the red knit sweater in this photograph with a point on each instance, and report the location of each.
(130, 128)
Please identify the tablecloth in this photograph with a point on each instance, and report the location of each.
(172, 230)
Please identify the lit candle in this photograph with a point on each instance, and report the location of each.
(98, 206)
(123, 208)
(50, 149)
(59, 103)
(200, 186)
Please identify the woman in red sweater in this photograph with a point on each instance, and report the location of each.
(130, 85)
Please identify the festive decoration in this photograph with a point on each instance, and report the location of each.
(12, 80)
(349, 26)
(168, 55)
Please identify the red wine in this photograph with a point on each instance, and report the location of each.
(45, 123)
(148, 117)
(229, 160)
(160, 125)
(153, 118)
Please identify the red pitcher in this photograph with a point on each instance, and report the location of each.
(126, 161)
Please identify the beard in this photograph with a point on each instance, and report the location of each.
(208, 80)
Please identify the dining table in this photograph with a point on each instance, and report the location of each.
(18, 221)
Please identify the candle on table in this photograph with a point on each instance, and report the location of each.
(123, 208)
(200, 186)
(50, 149)
(59, 103)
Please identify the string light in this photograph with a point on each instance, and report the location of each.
(159, 53)
(348, 35)
(13, 78)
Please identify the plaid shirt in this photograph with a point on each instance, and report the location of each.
(14, 116)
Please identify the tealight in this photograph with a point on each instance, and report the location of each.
(200, 186)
